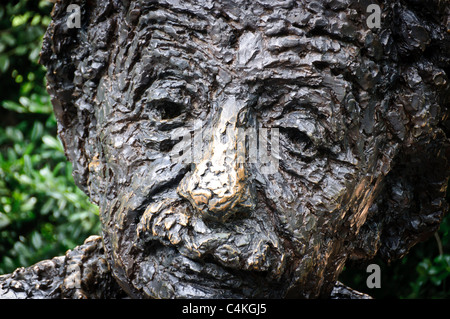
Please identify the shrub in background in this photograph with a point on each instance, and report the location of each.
(42, 212)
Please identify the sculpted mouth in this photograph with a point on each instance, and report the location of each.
(248, 244)
(243, 257)
(171, 251)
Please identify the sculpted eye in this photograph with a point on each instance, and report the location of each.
(169, 110)
(165, 115)
(297, 142)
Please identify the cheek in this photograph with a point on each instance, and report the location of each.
(136, 154)
(318, 198)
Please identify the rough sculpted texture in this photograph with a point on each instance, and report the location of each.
(361, 150)
(82, 273)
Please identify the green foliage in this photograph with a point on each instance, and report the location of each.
(22, 25)
(433, 272)
(42, 212)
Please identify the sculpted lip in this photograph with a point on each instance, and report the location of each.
(243, 258)
(251, 244)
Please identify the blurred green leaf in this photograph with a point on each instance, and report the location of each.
(8, 39)
(53, 143)
(13, 106)
(36, 20)
(36, 240)
(14, 134)
(37, 131)
(4, 220)
(20, 50)
(4, 63)
(20, 19)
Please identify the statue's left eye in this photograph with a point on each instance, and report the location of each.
(169, 110)
(297, 142)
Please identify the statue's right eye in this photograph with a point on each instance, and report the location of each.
(165, 115)
(169, 110)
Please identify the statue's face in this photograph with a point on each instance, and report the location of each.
(236, 163)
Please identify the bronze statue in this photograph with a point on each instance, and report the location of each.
(167, 107)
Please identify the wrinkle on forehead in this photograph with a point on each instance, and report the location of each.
(254, 46)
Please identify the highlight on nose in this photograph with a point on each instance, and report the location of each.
(217, 191)
(218, 186)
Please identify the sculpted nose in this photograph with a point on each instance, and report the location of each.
(217, 191)
(218, 187)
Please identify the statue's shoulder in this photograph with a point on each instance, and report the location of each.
(341, 291)
(81, 273)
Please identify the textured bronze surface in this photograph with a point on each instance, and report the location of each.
(362, 116)
(82, 273)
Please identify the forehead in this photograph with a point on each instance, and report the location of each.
(251, 41)
(195, 51)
